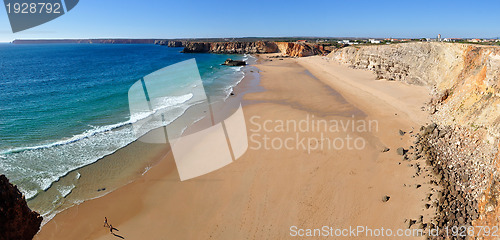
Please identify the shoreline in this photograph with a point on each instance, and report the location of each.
(94, 183)
(248, 83)
(276, 100)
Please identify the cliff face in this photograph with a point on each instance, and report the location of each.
(465, 80)
(230, 47)
(17, 221)
(176, 44)
(299, 49)
(416, 63)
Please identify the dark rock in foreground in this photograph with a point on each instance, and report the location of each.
(231, 62)
(17, 221)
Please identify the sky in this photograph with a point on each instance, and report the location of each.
(268, 18)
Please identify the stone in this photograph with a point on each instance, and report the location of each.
(411, 223)
(401, 151)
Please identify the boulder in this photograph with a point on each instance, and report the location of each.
(401, 151)
(230, 62)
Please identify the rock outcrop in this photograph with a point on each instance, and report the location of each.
(231, 62)
(465, 82)
(176, 44)
(170, 43)
(17, 221)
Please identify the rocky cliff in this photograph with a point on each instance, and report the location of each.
(299, 49)
(17, 221)
(292, 49)
(230, 47)
(465, 81)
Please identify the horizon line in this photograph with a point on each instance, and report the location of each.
(187, 38)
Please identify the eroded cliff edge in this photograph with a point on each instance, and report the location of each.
(17, 221)
(462, 143)
(292, 49)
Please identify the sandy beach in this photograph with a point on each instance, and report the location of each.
(338, 176)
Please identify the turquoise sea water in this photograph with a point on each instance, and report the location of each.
(65, 106)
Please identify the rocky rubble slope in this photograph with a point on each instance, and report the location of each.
(17, 221)
(463, 149)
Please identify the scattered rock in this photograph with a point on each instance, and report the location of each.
(386, 149)
(385, 198)
(457, 157)
(401, 132)
(411, 223)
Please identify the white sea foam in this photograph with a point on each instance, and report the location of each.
(164, 103)
(40, 166)
(65, 190)
(146, 170)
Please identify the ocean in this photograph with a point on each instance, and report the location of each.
(65, 106)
